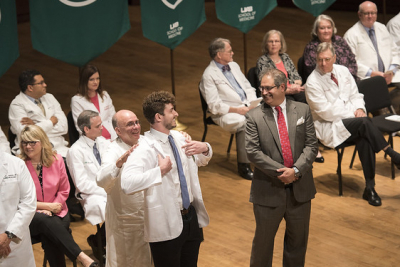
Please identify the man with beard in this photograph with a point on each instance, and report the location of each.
(165, 167)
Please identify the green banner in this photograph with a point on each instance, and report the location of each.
(8, 35)
(243, 14)
(315, 7)
(170, 22)
(77, 31)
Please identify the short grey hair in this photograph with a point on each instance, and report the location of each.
(217, 45)
(314, 31)
(322, 47)
(278, 76)
(264, 45)
(84, 119)
(360, 6)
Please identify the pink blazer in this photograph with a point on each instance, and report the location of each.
(55, 184)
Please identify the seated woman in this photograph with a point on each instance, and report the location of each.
(91, 96)
(324, 30)
(274, 48)
(51, 220)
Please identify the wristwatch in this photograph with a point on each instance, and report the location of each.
(297, 173)
(10, 235)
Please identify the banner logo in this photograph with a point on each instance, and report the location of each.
(77, 4)
(175, 30)
(246, 14)
(168, 4)
(316, 2)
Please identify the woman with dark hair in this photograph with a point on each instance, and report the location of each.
(51, 221)
(91, 96)
(324, 30)
(274, 49)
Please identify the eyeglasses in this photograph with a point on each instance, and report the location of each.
(31, 143)
(369, 13)
(132, 124)
(41, 83)
(267, 88)
(320, 60)
(274, 41)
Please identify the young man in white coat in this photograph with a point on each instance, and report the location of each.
(228, 94)
(34, 105)
(17, 207)
(165, 166)
(124, 213)
(84, 161)
(340, 117)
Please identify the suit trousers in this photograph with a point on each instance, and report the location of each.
(368, 140)
(297, 217)
(240, 145)
(182, 251)
(53, 231)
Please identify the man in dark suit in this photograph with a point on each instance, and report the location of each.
(283, 184)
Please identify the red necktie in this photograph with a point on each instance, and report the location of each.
(284, 136)
(334, 79)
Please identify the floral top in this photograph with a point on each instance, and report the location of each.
(266, 62)
(344, 55)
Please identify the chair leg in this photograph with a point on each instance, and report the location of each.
(339, 169)
(99, 243)
(205, 133)
(390, 141)
(352, 158)
(230, 144)
(44, 259)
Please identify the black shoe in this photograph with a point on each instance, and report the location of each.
(94, 264)
(245, 171)
(372, 197)
(394, 156)
(319, 159)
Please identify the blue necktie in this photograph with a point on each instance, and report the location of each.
(96, 154)
(372, 36)
(182, 179)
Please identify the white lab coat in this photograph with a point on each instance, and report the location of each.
(220, 95)
(17, 207)
(330, 104)
(83, 167)
(363, 48)
(22, 106)
(80, 103)
(4, 144)
(124, 214)
(393, 27)
(162, 216)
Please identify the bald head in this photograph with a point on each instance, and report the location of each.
(127, 126)
(367, 13)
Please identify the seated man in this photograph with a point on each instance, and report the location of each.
(375, 51)
(4, 144)
(34, 106)
(339, 116)
(84, 161)
(228, 94)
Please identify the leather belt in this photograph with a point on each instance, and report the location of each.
(289, 185)
(186, 211)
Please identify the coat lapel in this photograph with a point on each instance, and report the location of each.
(220, 75)
(270, 121)
(291, 114)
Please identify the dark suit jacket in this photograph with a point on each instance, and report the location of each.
(263, 148)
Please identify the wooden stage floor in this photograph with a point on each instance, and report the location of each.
(345, 231)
